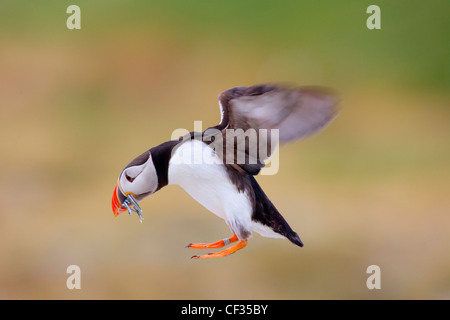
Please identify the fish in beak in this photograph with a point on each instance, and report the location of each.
(121, 203)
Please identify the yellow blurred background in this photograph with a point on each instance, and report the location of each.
(77, 105)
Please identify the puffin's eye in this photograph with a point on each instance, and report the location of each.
(129, 178)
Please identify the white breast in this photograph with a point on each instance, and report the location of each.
(196, 168)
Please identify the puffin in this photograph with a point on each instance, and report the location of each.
(217, 167)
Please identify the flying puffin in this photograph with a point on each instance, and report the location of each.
(216, 167)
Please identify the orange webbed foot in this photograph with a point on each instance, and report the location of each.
(223, 253)
(214, 245)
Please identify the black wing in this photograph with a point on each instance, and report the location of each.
(249, 115)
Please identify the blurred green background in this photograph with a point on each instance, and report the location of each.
(77, 105)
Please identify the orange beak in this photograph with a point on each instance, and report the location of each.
(116, 204)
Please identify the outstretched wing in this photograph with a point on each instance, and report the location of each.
(251, 114)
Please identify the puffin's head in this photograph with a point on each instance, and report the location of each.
(138, 180)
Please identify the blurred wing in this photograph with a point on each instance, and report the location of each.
(296, 113)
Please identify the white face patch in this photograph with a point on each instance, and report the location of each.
(139, 179)
(221, 111)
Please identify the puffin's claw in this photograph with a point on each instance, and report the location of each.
(223, 253)
(218, 244)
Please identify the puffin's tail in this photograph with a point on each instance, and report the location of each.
(266, 214)
(296, 239)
